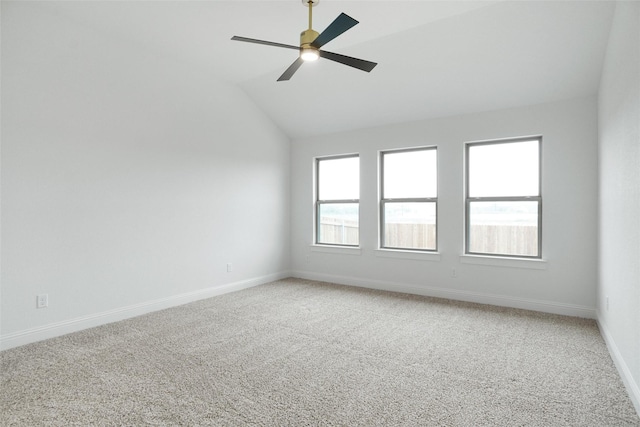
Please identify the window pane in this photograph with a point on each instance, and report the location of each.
(504, 169)
(410, 174)
(503, 228)
(338, 223)
(339, 179)
(410, 225)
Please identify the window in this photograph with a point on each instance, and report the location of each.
(337, 200)
(408, 199)
(503, 198)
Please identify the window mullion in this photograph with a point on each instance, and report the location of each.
(412, 200)
(505, 199)
(339, 201)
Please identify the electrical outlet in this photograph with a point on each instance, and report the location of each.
(607, 302)
(42, 301)
(229, 267)
(454, 273)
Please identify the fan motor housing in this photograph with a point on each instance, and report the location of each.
(307, 37)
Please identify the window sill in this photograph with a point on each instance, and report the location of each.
(534, 264)
(402, 254)
(344, 250)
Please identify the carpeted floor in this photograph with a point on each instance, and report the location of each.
(303, 353)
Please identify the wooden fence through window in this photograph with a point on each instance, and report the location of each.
(484, 238)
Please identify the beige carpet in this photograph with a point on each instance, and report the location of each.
(302, 353)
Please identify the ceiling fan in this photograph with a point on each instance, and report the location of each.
(311, 41)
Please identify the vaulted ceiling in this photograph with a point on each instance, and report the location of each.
(436, 58)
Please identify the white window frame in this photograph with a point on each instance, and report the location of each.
(319, 202)
(383, 201)
(469, 200)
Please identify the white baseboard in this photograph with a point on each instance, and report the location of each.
(477, 297)
(623, 369)
(52, 330)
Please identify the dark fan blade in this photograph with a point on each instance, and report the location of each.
(292, 69)
(341, 24)
(246, 39)
(360, 64)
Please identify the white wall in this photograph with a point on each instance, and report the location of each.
(619, 204)
(128, 179)
(565, 283)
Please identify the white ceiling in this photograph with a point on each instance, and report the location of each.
(435, 58)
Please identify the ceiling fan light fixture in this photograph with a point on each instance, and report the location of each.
(311, 41)
(309, 54)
